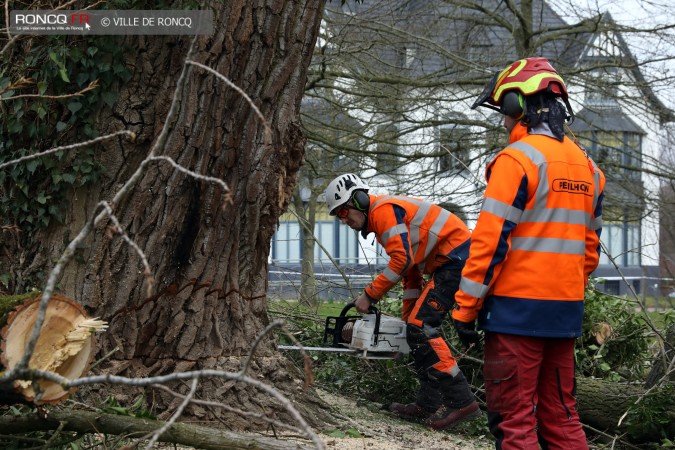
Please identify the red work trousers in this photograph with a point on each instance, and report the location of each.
(529, 388)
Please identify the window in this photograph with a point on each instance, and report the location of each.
(605, 89)
(323, 230)
(454, 146)
(615, 151)
(343, 244)
(632, 155)
(496, 139)
(621, 236)
(286, 243)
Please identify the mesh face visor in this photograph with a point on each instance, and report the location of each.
(484, 96)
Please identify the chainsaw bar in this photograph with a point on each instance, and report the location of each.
(319, 349)
(349, 351)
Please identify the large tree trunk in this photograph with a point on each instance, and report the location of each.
(210, 264)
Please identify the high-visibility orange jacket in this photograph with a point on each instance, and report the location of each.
(417, 235)
(536, 240)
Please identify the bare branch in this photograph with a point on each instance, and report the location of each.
(129, 134)
(93, 85)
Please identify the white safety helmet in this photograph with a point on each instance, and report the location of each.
(340, 190)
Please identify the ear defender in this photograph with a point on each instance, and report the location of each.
(513, 105)
(361, 201)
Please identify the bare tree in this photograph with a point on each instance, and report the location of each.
(402, 75)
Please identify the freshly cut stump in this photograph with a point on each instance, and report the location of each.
(66, 344)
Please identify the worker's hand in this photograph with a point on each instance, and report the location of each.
(362, 304)
(467, 333)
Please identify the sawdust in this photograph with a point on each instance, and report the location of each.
(375, 429)
(365, 426)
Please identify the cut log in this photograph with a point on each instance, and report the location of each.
(65, 346)
(602, 403)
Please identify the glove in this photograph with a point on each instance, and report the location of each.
(466, 331)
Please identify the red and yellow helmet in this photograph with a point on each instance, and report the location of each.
(528, 76)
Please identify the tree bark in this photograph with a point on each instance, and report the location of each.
(183, 434)
(307, 213)
(602, 404)
(209, 264)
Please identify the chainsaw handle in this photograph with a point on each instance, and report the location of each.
(371, 310)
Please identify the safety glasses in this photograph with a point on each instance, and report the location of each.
(342, 211)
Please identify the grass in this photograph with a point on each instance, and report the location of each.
(323, 310)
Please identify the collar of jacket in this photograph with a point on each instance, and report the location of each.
(517, 133)
(520, 131)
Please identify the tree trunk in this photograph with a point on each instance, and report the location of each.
(306, 210)
(602, 403)
(209, 263)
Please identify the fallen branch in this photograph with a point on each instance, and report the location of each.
(180, 433)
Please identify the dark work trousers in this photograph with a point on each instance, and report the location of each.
(441, 381)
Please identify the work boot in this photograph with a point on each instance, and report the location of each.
(410, 411)
(447, 418)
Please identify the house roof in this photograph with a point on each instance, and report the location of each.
(578, 56)
(605, 119)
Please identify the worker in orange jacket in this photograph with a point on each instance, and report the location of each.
(534, 246)
(420, 238)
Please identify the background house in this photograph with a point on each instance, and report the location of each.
(389, 99)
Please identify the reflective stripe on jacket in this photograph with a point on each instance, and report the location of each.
(536, 240)
(417, 235)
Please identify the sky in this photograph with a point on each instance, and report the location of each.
(626, 12)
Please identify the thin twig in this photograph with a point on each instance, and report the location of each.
(149, 279)
(130, 134)
(93, 85)
(106, 356)
(179, 412)
(275, 324)
(477, 179)
(305, 225)
(25, 373)
(239, 412)
(227, 198)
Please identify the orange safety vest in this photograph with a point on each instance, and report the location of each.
(418, 237)
(536, 240)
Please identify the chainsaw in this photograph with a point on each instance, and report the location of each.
(370, 336)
